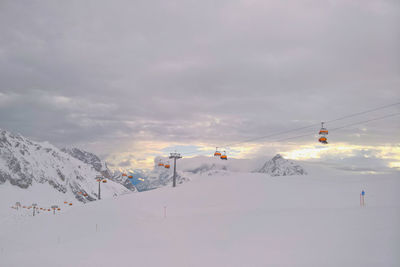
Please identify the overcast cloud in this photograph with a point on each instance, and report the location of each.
(127, 79)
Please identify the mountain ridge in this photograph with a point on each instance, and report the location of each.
(24, 162)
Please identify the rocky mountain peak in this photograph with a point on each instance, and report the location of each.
(279, 166)
(277, 157)
(24, 162)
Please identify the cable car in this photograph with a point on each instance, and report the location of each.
(104, 181)
(70, 204)
(160, 164)
(323, 132)
(323, 140)
(130, 176)
(124, 174)
(167, 166)
(224, 156)
(217, 153)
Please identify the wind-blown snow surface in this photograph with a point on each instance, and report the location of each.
(235, 219)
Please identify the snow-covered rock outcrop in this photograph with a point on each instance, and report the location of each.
(24, 162)
(278, 166)
(100, 166)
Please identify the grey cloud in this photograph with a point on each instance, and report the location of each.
(125, 163)
(102, 74)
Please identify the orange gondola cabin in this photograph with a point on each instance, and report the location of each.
(224, 156)
(217, 153)
(323, 132)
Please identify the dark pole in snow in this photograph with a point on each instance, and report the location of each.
(54, 207)
(174, 182)
(34, 208)
(174, 156)
(99, 179)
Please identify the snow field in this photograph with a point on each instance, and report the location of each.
(235, 219)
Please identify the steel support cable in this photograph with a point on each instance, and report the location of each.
(309, 126)
(315, 124)
(341, 127)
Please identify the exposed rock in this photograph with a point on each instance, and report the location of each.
(278, 166)
(24, 162)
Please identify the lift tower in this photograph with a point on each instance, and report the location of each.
(175, 156)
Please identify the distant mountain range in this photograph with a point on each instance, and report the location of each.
(72, 171)
(277, 166)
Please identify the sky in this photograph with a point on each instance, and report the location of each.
(132, 80)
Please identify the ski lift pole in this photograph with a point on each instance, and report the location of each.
(98, 179)
(34, 205)
(54, 207)
(175, 156)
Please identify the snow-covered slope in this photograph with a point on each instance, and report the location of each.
(278, 166)
(24, 163)
(100, 166)
(87, 157)
(300, 221)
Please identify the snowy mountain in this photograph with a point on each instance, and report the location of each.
(87, 157)
(25, 163)
(278, 166)
(100, 166)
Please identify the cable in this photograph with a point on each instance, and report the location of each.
(271, 135)
(306, 127)
(363, 112)
(344, 126)
(362, 122)
(315, 124)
